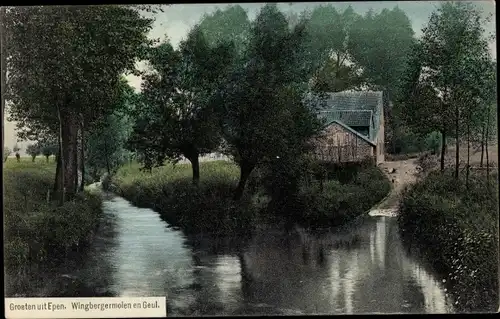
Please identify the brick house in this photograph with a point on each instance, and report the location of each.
(354, 126)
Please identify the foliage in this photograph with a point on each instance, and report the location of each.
(204, 208)
(339, 203)
(16, 148)
(175, 118)
(6, 153)
(61, 79)
(105, 147)
(49, 148)
(34, 229)
(457, 228)
(228, 25)
(33, 150)
(267, 89)
(445, 87)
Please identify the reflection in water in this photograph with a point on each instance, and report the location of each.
(360, 269)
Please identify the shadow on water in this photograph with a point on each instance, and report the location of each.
(360, 268)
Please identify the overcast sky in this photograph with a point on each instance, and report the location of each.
(176, 21)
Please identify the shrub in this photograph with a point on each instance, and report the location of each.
(36, 230)
(457, 229)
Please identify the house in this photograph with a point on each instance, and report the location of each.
(354, 126)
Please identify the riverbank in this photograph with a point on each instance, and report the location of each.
(209, 207)
(456, 229)
(37, 230)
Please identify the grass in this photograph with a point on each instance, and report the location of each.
(209, 208)
(34, 229)
(457, 230)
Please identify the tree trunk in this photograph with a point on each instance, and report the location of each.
(69, 151)
(33, 158)
(195, 165)
(108, 168)
(61, 188)
(57, 182)
(82, 156)
(482, 146)
(486, 145)
(468, 155)
(246, 169)
(457, 143)
(47, 158)
(443, 149)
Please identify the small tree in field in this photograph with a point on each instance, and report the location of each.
(6, 153)
(33, 150)
(16, 148)
(48, 149)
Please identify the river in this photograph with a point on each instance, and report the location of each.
(362, 268)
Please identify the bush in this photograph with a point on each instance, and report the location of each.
(457, 229)
(36, 230)
(345, 196)
(207, 207)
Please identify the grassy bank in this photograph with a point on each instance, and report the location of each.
(34, 229)
(210, 208)
(456, 229)
(207, 207)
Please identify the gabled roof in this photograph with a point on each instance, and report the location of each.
(361, 136)
(348, 100)
(348, 117)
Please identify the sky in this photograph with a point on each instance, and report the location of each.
(176, 21)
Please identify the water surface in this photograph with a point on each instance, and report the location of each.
(362, 268)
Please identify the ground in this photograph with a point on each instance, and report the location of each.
(401, 173)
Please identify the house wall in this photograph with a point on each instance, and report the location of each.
(380, 140)
(337, 144)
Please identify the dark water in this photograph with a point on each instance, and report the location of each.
(361, 269)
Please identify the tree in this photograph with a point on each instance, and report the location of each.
(453, 46)
(177, 118)
(6, 153)
(33, 150)
(105, 147)
(329, 35)
(228, 25)
(60, 72)
(48, 148)
(16, 148)
(373, 38)
(267, 89)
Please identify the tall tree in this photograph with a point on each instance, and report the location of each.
(453, 46)
(228, 25)
(59, 58)
(177, 97)
(265, 90)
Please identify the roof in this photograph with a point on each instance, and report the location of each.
(352, 108)
(349, 117)
(361, 136)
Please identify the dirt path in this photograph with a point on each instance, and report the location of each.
(401, 173)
